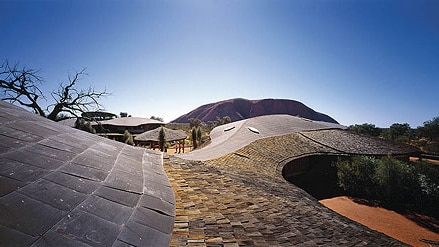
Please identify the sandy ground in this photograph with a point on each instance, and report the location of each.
(388, 222)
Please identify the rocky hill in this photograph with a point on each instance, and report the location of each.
(238, 109)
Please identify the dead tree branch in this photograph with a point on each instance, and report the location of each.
(21, 85)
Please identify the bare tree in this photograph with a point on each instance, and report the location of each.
(21, 85)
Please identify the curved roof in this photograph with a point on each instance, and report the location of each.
(63, 187)
(270, 155)
(130, 121)
(233, 136)
(153, 135)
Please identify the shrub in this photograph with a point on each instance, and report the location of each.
(396, 181)
(194, 137)
(355, 176)
(128, 138)
(428, 179)
(396, 184)
(162, 139)
(199, 134)
(81, 124)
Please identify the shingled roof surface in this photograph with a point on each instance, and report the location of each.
(129, 121)
(153, 135)
(229, 203)
(63, 187)
(241, 198)
(233, 136)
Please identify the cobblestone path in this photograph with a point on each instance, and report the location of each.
(221, 207)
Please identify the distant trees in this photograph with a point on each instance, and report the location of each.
(400, 132)
(430, 130)
(365, 129)
(157, 118)
(194, 122)
(429, 136)
(22, 85)
(425, 137)
(219, 121)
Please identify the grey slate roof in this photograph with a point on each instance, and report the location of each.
(331, 138)
(63, 187)
(233, 136)
(351, 143)
(130, 121)
(242, 198)
(153, 135)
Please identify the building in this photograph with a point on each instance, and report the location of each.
(115, 128)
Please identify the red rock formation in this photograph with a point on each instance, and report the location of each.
(238, 109)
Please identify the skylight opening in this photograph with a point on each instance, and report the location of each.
(254, 130)
(229, 128)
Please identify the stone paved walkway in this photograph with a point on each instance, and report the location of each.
(226, 207)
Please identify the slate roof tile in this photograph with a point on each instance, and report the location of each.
(28, 215)
(54, 239)
(159, 191)
(88, 228)
(140, 235)
(21, 171)
(154, 219)
(85, 172)
(126, 198)
(19, 135)
(55, 195)
(63, 187)
(34, 159)
(8, 185)
(158, 205)
(131, 182)
(106, 209)
(11, 237)
(79, 184)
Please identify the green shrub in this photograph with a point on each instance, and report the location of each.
(194, 137)
(396, 181)
(128, 138)
(428, 179)
(398, 185)
(356, 175)
(162, 139)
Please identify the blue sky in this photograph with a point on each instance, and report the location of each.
(357, 61)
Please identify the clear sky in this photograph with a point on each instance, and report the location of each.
(359, 61)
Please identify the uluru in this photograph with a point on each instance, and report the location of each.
(239, 109)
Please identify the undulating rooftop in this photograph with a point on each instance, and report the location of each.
(63, 187)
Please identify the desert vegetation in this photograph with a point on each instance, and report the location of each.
(128, 138)
(407, 186)
(425, 137)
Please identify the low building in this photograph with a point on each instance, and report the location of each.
(151, 137)
(115, 128)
